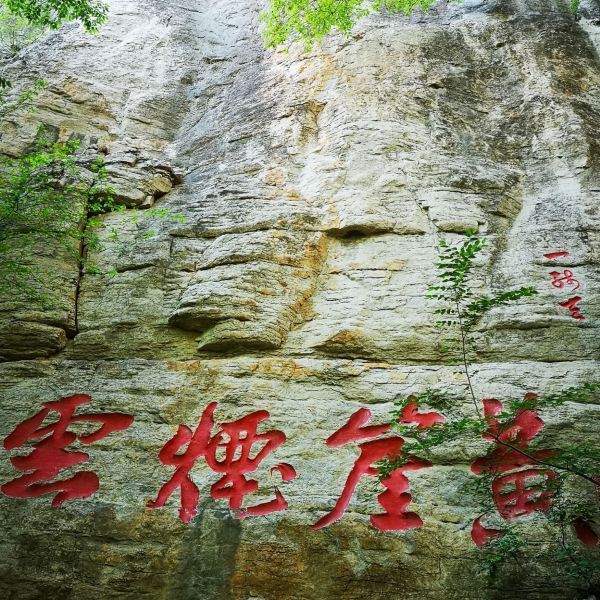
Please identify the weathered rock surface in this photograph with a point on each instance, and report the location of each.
(315, 187)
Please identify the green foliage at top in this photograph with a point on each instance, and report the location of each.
(310, 21)
(52, 14)
(22, 22)
(16, 32)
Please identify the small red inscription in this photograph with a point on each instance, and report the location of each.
(571, 306)
(566, 277)
(50, 455)
(228, 452)
(559, 280)
(395, 499)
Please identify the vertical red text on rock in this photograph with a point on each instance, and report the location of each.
(395, 499)
(231, 453)
(50, 455)
(561, 279)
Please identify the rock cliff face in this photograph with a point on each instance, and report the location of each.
(315, 187)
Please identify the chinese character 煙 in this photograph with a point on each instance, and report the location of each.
(228, 452)
(395, 499)
(49, 455)
(517, 491)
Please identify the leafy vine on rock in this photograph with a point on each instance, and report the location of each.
(54, 196)
(558, 483)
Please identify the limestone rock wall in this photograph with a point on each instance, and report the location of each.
(315, 187)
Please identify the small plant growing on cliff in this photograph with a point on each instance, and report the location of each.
(16, 32)
(48, 200)
(511, 428)
(11, 101)
(54, 197)
(23, 21)
(460, 306)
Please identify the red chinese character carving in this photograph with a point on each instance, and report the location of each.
(49, 456)
(520, 491)
(555, 255)
(571, 305)
(585, 533)
(410, 414)
(518, 433)
(482, 535)
(566, 277)
(234, 441)
(395, 499)
(583, 529)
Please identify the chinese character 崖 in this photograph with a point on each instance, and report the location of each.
(395, 499)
